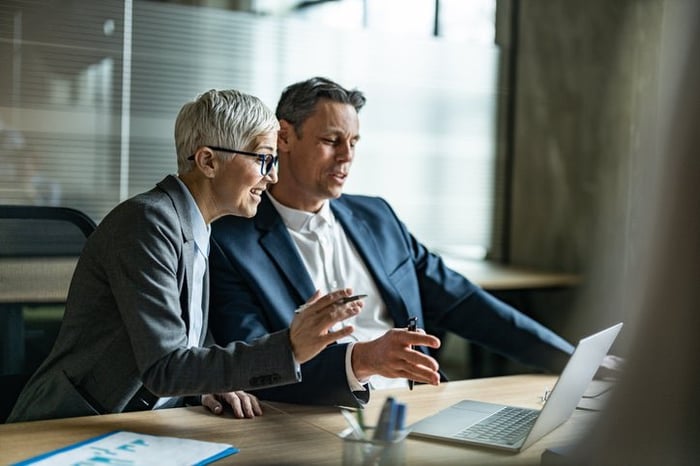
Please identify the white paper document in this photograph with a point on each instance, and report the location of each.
(134, 449)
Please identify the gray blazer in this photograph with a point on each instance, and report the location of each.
(126, 319)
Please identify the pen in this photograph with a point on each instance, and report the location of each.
(361, 419)
(386, 425)
(411, 328)
(356, 427)
(347, 299)
(400, 416)
(350, 299)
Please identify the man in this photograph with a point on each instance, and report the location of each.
(136, 313)
(307, 235)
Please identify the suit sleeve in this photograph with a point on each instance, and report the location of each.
(451, 302)
(487, 321)
(323, 383)
(245, 308)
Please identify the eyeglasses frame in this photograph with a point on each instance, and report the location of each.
(267, 161)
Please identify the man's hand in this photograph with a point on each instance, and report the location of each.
(243, 404)
(391, 355)
(310, 331)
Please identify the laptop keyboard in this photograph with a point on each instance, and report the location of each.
(506, 427)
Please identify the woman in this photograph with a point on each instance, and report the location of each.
(134, 334)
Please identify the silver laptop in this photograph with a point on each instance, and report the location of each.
(512, 428)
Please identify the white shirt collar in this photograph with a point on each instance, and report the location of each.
(302, 221)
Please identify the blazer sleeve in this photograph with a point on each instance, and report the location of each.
(143, 263)
(449, 301)
(243, 307)
(480, 317)
(323, 383)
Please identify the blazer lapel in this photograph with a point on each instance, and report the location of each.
(280, 248)
(174, 190)
(361, 236)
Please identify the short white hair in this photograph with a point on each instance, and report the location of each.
(224, 118)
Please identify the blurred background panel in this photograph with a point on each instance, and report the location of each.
(92, 90)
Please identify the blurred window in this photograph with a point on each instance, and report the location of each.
(89, 92)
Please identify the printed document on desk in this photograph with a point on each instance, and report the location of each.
(131, 448)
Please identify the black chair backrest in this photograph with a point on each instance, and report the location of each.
(42, 231)
(28, 330)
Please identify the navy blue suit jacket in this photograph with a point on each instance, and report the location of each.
(258, 278)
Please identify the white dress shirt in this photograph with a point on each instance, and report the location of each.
(333, 262)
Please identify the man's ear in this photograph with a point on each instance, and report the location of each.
(283, 135)
(206, 161)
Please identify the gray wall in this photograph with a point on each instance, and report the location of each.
(587, 87)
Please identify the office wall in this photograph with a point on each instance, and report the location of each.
(662, 373)
(587, 85)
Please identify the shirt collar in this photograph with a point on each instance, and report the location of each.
(200, 229)
(302, 221)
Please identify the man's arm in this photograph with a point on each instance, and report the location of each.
(480, 317)
(448, 301)
(323, 383)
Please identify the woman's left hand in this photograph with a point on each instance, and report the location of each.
(243, 404)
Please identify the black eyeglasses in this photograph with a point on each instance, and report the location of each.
(267, 161)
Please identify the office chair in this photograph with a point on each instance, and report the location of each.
(42, 231)
(32, 238)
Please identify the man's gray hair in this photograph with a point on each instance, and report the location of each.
(298, 100)
(225, 118)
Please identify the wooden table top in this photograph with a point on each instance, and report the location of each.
(295, 434)
(493, 276)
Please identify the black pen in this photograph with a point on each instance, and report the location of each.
(349, 299)
(412, 321)
(345, 300)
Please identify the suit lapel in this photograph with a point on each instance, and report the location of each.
(174, 190)
(362, 237)
(279, 247)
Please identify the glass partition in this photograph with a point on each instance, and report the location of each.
(90, 90)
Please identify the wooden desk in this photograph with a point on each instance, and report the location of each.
(493, 276)
(294, 434)
(518, 390)
(274, 438)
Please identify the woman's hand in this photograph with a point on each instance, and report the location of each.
(310, 332)
(243, 404)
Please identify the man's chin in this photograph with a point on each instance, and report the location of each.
(335, 193)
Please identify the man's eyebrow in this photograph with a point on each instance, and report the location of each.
(338, 132)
